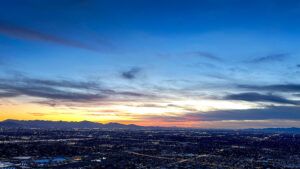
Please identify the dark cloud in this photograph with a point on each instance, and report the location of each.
(268, 113)
(275, 87)
(257, 97)
(131, 74)
(298, 65)
(64, 90)
(271, 58)
(30, 34)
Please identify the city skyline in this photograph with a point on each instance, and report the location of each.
(206, 64)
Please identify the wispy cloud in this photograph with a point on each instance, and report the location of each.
(206, 55)
(197, 54)
(151, 105)
(22, 32)
(270, 58)
(46, 91)
(63, 90)
(268, 113)
(62, 83)
(8, 94)
(257, 97)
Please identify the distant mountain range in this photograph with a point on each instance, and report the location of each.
(62, 124)
(43, 124)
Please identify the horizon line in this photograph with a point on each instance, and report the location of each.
(177, 127)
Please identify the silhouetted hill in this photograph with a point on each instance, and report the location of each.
(61, 124)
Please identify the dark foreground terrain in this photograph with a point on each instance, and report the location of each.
(148, 148)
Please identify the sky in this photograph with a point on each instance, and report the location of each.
(184, 63)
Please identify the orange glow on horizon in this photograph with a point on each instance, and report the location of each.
(125, 113)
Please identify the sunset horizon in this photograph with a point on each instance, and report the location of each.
(198, 64)
(149, 84)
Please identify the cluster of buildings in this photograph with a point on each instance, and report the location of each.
(180, 148)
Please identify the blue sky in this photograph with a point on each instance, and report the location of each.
(185, 58)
